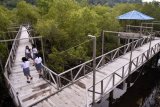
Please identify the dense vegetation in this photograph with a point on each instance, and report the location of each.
(13, 3)
(66, 23)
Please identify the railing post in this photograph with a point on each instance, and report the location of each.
(101, 88)
(130, 60)
(123, 72)
(148, 54)
(137, 62)
(141, 30)
(103, 47)
(71, 75)
(57, 78)
(9, 66)
(123, 75)
(84, 70)
(94, 65)
(113, 79)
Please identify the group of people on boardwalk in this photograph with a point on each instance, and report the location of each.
(37, 62)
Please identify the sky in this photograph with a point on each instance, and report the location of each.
(150, 0)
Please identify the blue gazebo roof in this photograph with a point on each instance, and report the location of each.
(134, 15)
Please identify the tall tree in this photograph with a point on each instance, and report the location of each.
(27, 13)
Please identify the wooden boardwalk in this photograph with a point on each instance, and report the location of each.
(77, 94)
(28, 92)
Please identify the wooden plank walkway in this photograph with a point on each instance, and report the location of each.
(75, 95)
(28, 92)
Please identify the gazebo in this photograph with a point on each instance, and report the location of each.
(133, 15)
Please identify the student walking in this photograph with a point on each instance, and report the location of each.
(34, 50)
(28, 52)
(38, 64)
(26, 70)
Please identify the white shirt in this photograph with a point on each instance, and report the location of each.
(34, 50)
(38, 60)
(25, 64)
(27, 51)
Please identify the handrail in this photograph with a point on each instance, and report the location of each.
(86, 67)
(51, 76)
(48, 74)
(136, 63)
(13, 45)
(81, 70)
(8, 66)
(103, 55)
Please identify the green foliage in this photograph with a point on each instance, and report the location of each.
(66, 23)
(56, 61)
(27, 13)
(152, 9)
(4, 18)
(43, 5)
(3, 52)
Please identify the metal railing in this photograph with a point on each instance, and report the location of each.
(108, 83)
(68, 77)
(72, 75)
(48, 74)
(139, 29)
(9, 65)
(51, 76)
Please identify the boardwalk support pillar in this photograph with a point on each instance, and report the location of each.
(110, 98)
(157, 58)
(129, 82)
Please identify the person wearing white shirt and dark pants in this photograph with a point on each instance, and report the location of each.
(25, 65)
(28, 52)
(38, 64)
(34, 50)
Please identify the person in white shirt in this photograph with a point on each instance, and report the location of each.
(34, 50)
(25, 65)
(38, 64)
(28, 52)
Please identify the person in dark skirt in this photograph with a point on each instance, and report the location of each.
(38, 64)
(26, 70)
(34, 50)
(28, 52)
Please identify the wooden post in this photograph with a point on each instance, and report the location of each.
(103, 47)
(94, 66)
(128, 41)
(130, 65)
(129, 28)
(123, 77)
(141, 30)
(102, 89)
(148, 53)
(129, 82)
